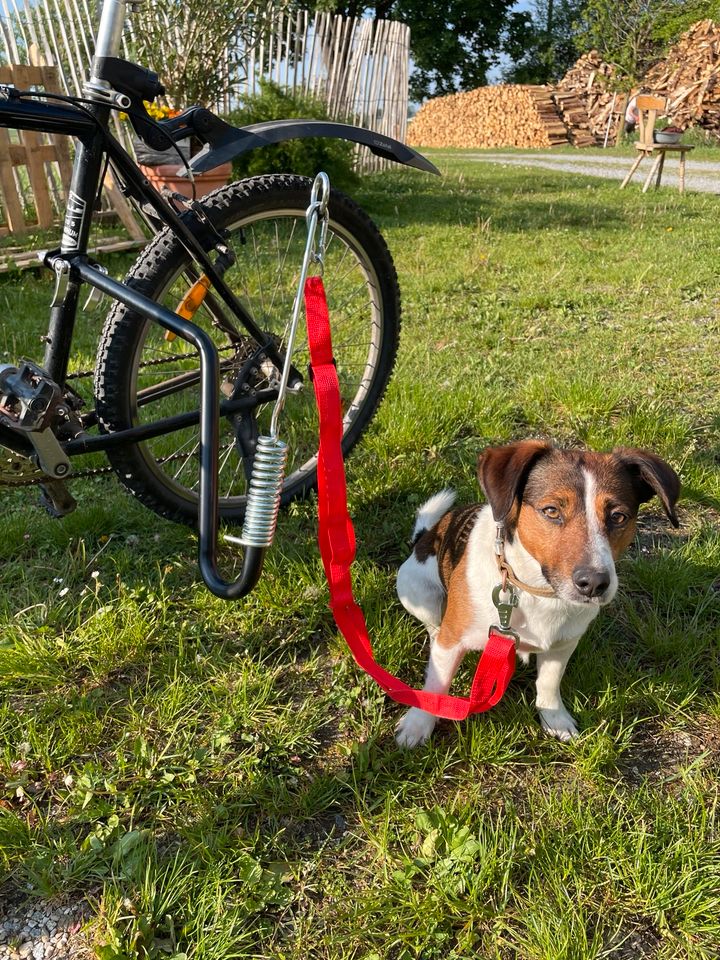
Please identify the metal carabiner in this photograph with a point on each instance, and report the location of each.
(318, 210)
(505, 609)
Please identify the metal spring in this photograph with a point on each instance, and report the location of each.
(263, 501)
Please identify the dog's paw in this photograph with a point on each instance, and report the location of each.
(414, 728)
(558, 723)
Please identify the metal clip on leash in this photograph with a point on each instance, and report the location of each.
(268, 470)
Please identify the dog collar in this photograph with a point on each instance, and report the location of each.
(506, 571)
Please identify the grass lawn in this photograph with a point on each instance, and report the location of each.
(220, 781)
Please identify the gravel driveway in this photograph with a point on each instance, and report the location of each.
(703, 176)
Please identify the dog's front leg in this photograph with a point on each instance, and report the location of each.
(417, 725)
(554, 718)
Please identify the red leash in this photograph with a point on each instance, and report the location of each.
(337, 544)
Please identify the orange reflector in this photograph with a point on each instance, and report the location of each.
(191, 302)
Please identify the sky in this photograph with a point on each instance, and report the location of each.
(493, 75)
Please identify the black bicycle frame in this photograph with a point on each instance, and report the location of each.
(95, 143)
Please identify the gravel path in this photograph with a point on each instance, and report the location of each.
(703, 176)
(37, 930)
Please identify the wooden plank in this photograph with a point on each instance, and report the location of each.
(17, 153)
(11, 201)
(28, 259)
(121, 206)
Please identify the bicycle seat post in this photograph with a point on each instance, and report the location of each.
(112, 21)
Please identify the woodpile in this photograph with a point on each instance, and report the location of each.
(582, 109)
(507, 115)
(575, 116)
(586, 101)
(690, 78)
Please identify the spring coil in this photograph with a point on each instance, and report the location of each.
(263, 501)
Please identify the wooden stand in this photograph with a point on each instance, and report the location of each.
(649, 107)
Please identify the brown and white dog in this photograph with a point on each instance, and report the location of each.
(567, 515)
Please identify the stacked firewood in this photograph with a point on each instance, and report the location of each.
(574, 113)
(586, 101)
(507, 115)
(583, 108)
(690, 78)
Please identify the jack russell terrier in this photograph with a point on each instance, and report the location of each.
(555, 522)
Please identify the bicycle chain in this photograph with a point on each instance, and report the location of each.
(34, 477)
(39, 477)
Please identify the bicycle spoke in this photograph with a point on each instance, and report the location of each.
(264, 277)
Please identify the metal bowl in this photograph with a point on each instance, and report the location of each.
(661, 137)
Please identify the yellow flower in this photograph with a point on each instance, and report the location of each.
(158, 111)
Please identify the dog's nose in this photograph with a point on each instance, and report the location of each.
(591, 582)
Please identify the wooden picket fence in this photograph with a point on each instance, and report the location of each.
(357, 66)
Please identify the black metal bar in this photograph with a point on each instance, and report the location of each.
(140, 188)
(86, 174)
(158, 428)
(208, 498)
(44, 117)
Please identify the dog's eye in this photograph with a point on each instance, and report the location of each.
(618, 519)
(552, 513)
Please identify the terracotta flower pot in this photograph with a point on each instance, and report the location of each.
(165, 176)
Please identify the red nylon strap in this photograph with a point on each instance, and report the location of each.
(337, 544)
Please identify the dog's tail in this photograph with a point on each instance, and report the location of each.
(431, 511)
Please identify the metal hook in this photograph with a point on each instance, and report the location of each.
(318, 211)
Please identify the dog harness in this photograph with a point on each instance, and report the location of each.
(336, 537)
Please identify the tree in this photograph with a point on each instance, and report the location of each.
(187, 42)
(626, 33)
(675, 21)
(453, 44)
(546, 50)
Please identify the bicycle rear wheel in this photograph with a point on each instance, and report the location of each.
(141, 376)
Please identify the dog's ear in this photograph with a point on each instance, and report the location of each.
(501, 471)
(651, 476)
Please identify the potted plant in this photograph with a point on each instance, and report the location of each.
(197, 48)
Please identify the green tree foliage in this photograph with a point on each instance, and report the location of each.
(626, 33)
(545, 50)
(453, 43)
(674, 22)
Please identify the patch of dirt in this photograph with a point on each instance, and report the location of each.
(639, 943)
(654, 532)
(657, 755)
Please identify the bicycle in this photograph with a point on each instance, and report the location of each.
(178, 367)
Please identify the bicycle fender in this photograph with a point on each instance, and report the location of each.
(237, 140)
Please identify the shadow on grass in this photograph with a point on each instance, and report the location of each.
(521, 202)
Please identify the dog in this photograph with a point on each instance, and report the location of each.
(558, 520)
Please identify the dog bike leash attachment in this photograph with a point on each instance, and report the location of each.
(263, 502)
(336, 537)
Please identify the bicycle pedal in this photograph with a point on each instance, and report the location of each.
(57, 499)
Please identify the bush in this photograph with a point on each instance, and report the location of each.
(304, 157)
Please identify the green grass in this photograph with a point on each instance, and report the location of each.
(220, 781)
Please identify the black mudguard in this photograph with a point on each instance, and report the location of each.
(227, 142)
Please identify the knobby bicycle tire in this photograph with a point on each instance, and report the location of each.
(266, 219)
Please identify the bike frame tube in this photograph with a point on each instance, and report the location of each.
(95, 143)
(112, 19)
(208, 498)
